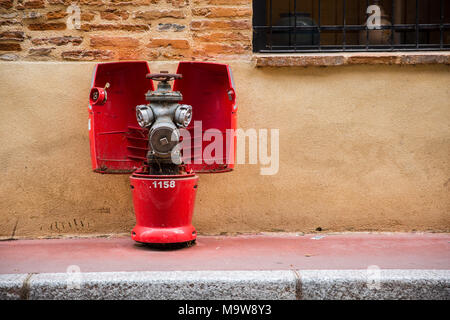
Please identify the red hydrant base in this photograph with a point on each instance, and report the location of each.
(163, 235)
(164, 206)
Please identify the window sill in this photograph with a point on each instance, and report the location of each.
(351, 58)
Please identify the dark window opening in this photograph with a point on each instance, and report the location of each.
(350, 25)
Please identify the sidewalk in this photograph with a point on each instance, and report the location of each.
(267, 266)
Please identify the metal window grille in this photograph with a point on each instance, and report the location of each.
(285, 26)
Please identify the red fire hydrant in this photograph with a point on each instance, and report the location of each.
(136, 129)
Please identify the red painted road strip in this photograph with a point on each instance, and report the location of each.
(252, 252)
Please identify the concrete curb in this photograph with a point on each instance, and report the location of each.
(236, 285)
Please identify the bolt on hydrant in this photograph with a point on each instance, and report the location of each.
(129, 135)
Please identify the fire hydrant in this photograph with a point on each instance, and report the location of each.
(163, 193)
(163, 116)
(136, 129)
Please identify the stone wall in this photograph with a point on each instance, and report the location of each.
(361, 148)
(364, 144)
(125, 30)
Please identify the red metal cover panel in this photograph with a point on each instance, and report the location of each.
(118, 144)
(209, 89)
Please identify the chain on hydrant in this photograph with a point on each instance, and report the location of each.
(163, 117)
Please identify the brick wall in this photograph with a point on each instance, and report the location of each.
(125, 30)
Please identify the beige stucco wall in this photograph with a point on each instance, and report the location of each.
(361, 148)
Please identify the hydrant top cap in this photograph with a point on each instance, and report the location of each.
(163, 76)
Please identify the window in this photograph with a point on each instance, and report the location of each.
(350, 25)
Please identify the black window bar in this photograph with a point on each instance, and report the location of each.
(418, 25)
